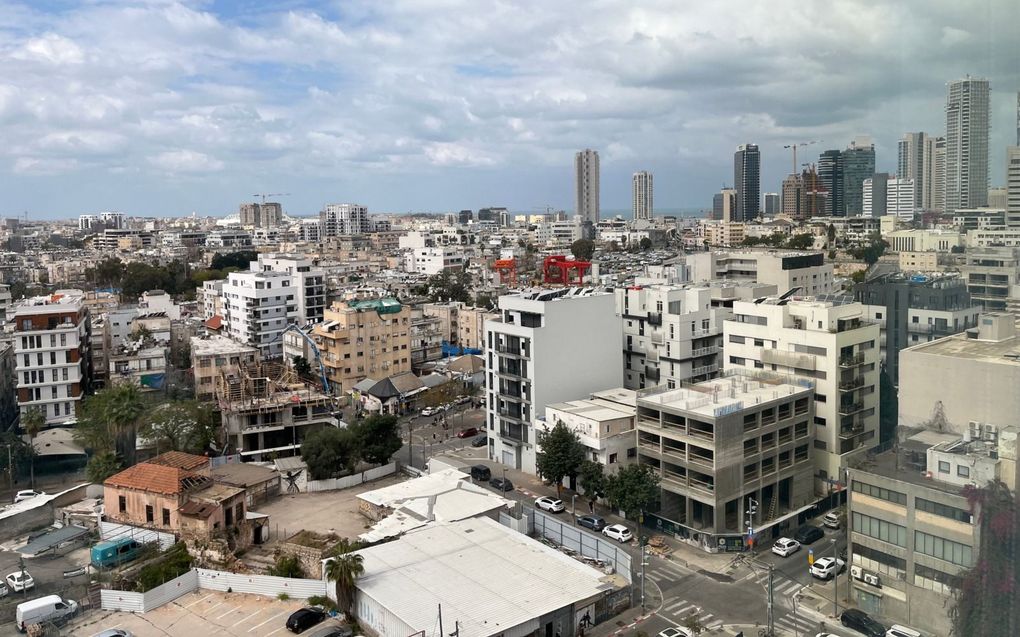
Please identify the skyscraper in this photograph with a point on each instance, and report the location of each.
(792, 187)
(938, 174)
(747, 181)
(728, 196)
(641, 203)
(771, 204)
(916, 160)
(1013, 186)
(830, 175)
(858, 164)
(586, 185)
(967, 111)
(875, 195)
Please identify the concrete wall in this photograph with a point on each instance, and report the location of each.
(347, 482)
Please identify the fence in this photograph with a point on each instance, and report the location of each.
(351, 481)
(114, 531)
(195, 579)
(584, 543)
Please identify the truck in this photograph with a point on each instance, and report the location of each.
(113, 552)
(51, 608)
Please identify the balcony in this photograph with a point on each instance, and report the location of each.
(852, 384)
(652, 373)
(771, 356)
(705, 351)
(658, 338)
(652, 356)
(654, 318)
(854, 429)
(705, 369)
(513, 433)
(852, 361)
(508, 350)
(849, 409)
(513, 373)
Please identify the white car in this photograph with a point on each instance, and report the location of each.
(4, 591)
(827, 567)
(831, 520)
(552, 505)
(27, 494)
(676, 631)
(785, 547)
(428, 411)
(114, 632)
(20, 581)
(618, 532)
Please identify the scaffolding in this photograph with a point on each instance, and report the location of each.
(263, 387)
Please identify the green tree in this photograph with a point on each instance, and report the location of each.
(561, 453)
(593, 478)
(693, 623)
(301, 366)
(106, 273)
(101, 466)
(377, 438)
(110, 421)
(32, 422)
(453, 285)
(19, 453)
(830, 234)
(329, 452)
(632, 489)
(240, 260)
(645, 244)
(583, 249)
(344, 568)
(287, 565)
(801, 241)
(185, 425)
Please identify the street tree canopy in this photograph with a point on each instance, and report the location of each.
(561, 453)
(377, 438)
(583, 249)
(593, 479)
(632, 489)
(329, 453)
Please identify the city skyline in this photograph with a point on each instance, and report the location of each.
(167, 108)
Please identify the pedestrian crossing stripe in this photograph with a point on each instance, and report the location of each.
(790, 621)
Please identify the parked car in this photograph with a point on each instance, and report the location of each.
(467, 432)
(20, 581)
(27, 494)
(50, 608)
(808, 534)
(480, 440)
(501, 484)
(549, 504)
(114, 552)
(676, 631)
(4, 591)
(333, 629)
(593, 522)
(618, 532)
(114, 632)
(463, 399)
(831, 520)
(827, 567)
(861, 622)
(896, 630)
(481, 473)
(428, 411)
(304, 618)
(785, 547)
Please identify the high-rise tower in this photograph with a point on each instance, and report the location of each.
(967, 111)
(747, 181)
(586, 185)
(641, 200)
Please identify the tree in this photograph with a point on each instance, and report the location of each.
(441, 394)
(106, 273)
(801, 241)
(830, 234)
(987, 603)
(377, 438)
(583, 249)
(240, 260)
(101, 466)
(645, 244)
(329, 452)
(561, 453)
(632, 489)
(186, 425)
(19, 452)
(287, 565)
(32, 422)
(301, 366)
(120, 409)
(614, 246)
(593, 478)
(344, 568)
(693, 623)
(452, 285)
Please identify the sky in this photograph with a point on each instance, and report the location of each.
(168, 108)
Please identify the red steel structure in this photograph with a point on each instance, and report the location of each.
(507, 269)
(559, 270)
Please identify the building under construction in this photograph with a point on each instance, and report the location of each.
(267, 410)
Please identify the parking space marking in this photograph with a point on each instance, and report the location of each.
(253, 628)
(211, 608)
(227, 613)
(247, 617)
(199, 601)
(275, 631)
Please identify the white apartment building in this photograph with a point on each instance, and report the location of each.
(586, 185)
(210, 298)
(344, 218)
(899, 198)
(603, 423)
(786, 269)
(671, 334)
(642, 203)
(257, 307)
(832, 345)
(155, 301)
(547, 346)
(1013, 186)
(52, 357)
(920, 240)
(309, 282)
(311, 230)
(431, 261)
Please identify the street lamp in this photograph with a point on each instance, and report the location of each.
(835, 580)
(573, 507)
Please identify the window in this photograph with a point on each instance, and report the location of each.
(166, 517)
(121, 503)
(880, 529)
(736, 360)
(879, 561)
(632, 452)
(935, 580)
(736, 339)
(820, 444)
(943, 549)
(819, 421)
(148, 513)
(963, 471)
(612, 458)
(880, 493)
(943, 510)
(820, 398)
(943, 466)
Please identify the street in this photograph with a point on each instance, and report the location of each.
(48, 573)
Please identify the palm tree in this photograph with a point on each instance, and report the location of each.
(32, 422)
(123, 407)
(344, 568)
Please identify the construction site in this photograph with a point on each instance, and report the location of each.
(268, 409)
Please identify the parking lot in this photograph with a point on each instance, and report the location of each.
(202, 612)
(48, 573)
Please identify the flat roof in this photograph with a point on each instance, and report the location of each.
(214, 344)
(721, 396)
(1004, 352)
(598, 410)
(488, 577)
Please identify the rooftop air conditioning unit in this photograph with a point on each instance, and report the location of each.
(856, 572)
(871, 578)
(991, 433)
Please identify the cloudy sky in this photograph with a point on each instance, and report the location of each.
(165, 108)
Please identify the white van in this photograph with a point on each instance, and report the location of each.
(48, 608)
(901, 631)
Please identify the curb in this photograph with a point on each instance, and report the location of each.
(637, 620)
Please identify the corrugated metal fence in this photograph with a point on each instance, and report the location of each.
(351, 481)
(149, 600)
(583, 542)
(114, 531)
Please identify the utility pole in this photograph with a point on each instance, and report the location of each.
(770, 602)
(410, 442)
(644, 553)
(440, 620)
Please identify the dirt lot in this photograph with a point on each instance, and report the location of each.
(203, 613)
(324, 512)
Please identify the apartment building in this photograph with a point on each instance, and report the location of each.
(426, 337)
(671, 334)
(724, 234)
(309, 282)
(972, 376)
(210, 298)
(913, 309)
(142, 362)
(344, 219)
(434, 260)
(52, 365)
(829, 343)
(213, 355)
(718, 444)
(257, 307)
(992, 277)
(370, 338)
(783, 268)
(471, 326)
(546, 347)
(604, 424)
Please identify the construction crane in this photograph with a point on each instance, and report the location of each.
(270, 194)
(794, 147)
(315, 350)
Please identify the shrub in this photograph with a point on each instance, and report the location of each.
(323, 601)
(287, 565)
(283, 597)
(176, 562)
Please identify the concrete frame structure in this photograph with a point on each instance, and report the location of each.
(212, 355)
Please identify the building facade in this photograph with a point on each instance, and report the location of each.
(747, 182)
(967, 126)
(916, 160)
(604, 425)
(992, 276)
(642, 195)
(858, 164)
(899, 198)
(786, 269)
(213, 355)
(586, 185)
(1013, 186)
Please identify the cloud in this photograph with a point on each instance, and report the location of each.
(186, 161)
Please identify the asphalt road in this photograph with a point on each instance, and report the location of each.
(48, 573)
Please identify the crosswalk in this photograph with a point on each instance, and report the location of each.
(680, 609)
(664, 572)
(784, 588)
(796, 624)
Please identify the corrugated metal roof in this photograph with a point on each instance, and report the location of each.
(488, 577)
(50, 540)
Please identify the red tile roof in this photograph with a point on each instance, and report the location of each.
(156, 478)
(181, 460)
(215, 322)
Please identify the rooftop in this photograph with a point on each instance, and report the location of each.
(492, 578)
(242, 474)
(909, 465)
(735, 391)
(180, 460)
(1004, 352)
(213, 344)
(597, 410)
(156, 478)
